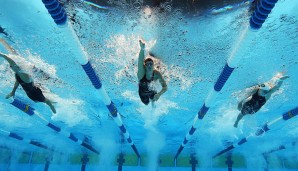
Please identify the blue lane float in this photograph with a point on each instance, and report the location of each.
(36, 143)
(31, 112)
(20, 138)
(262, 10)
(56, 11)
(92, 75)
(281, 147)
(224, 76)
(96, 82)
(266, 127)
(23, 107)
(222, 79)
(86, 65)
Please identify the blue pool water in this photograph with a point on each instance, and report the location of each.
(191, 50)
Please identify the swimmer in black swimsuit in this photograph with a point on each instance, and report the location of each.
(146, 75)
(258, 97)
(32, 91)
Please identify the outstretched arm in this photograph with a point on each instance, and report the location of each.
(141, 69)
(163, 84)
(8, 47)
(277, 86)
(16, 85)
(8, 59)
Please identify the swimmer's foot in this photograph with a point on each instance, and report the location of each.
(53, 108)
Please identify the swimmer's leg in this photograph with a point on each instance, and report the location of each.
(240, 116)
(49, 103)
(240, 104)
(152, 103)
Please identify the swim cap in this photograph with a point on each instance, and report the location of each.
(265, 86)
(148, 59)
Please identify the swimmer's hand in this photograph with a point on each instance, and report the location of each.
(156, 97)
(10, 95)
(2, 54)
(284, 77)
(142, 44)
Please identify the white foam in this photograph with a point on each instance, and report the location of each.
(228, 114)
(108, 146)
(151, 115)
(154, 142)
(179, 73)
(69, 111)
(38, 62)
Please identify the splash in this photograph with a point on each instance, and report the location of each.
(122, 57)
(6, 76)
(69, 111)
(109, 148)
(151, 115)
(39, 64)
(154, 142)
(223, 123)
(181, 74)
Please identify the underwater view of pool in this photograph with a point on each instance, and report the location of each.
(133, 85)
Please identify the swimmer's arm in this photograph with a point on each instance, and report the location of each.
(277, 86)
(16, 85)
(141, 69)
(162, 82)
(8, 47)
(8, 59)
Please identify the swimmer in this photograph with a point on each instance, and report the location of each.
(26, 81)
(147, 74)
(258, 97)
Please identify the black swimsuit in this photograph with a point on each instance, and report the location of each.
(254, 104)
(144, 91)
(33, 92)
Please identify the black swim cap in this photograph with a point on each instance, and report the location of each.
(148, 59)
